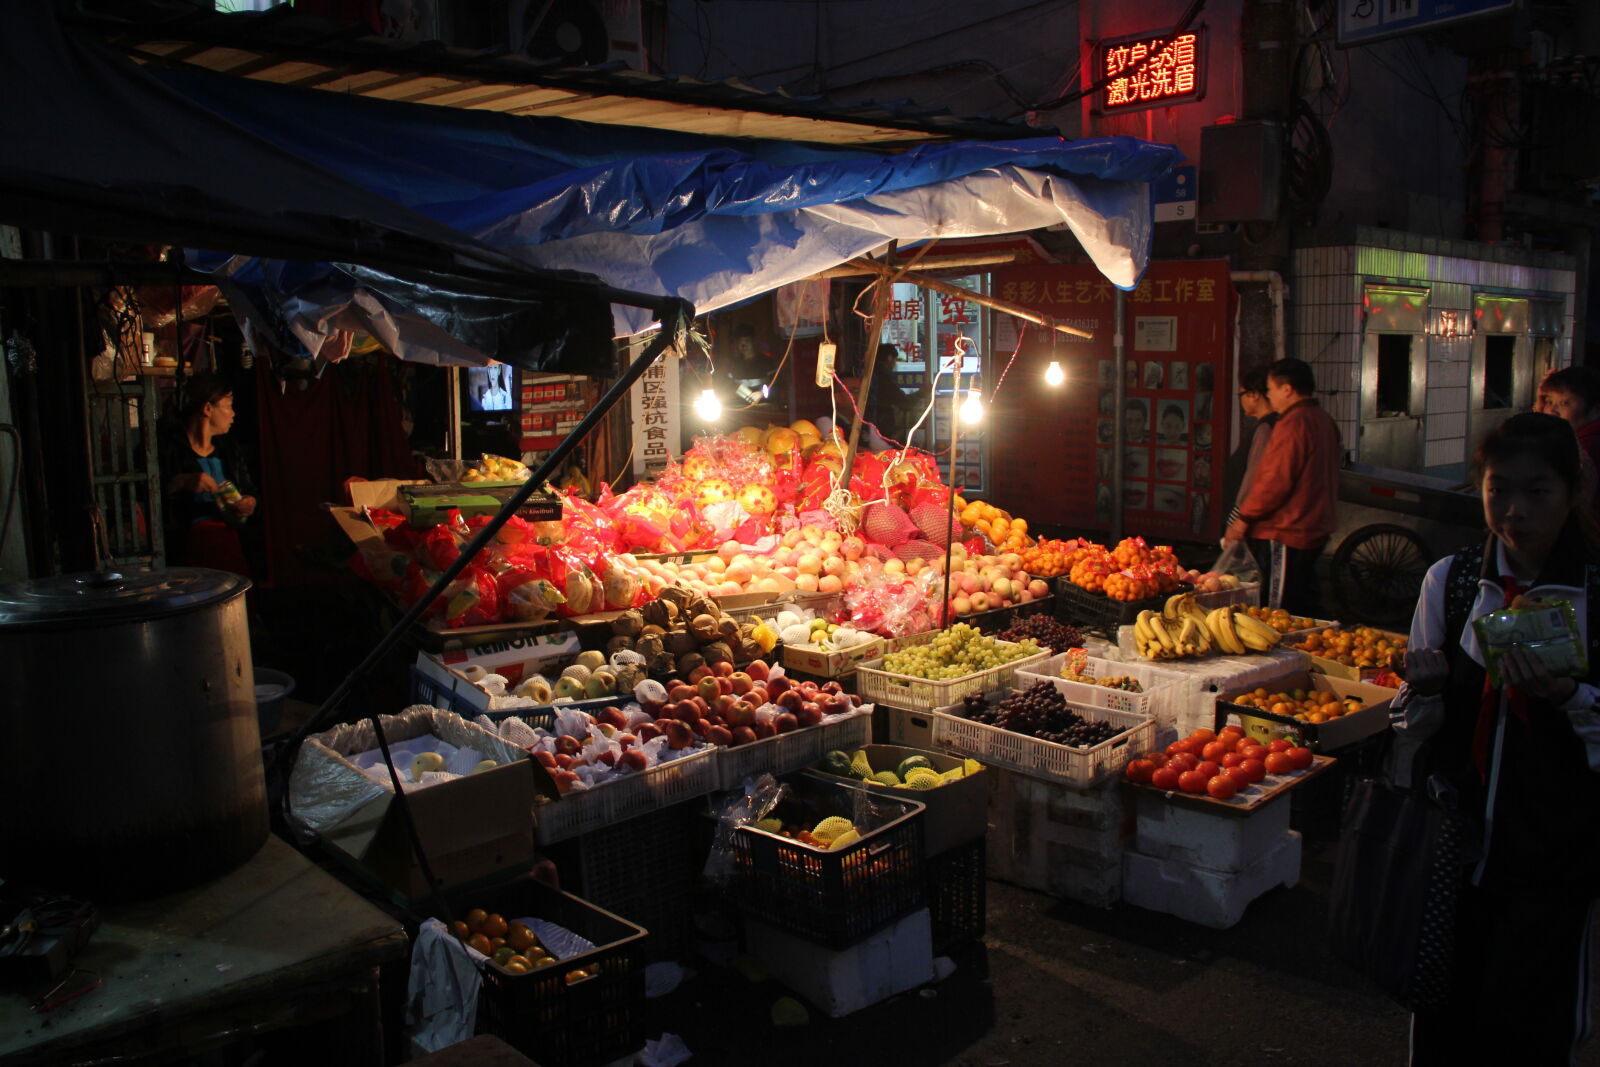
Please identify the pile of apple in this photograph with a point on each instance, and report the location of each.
(727, 707)
(1208, 581)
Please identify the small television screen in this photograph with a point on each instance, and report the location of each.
(491, 388)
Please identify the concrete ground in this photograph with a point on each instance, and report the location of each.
(1056, 982)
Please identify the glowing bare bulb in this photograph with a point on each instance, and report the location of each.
(707, 406)
(972, 408)
(1053, 374)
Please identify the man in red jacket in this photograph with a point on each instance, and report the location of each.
(1293, 499)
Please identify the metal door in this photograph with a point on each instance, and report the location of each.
(1502, 381)
(1394, 377)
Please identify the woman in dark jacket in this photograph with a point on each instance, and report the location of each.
(197, 458)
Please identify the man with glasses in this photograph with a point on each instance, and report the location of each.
(1241, 466)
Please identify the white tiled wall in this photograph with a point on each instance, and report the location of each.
(1325, 330)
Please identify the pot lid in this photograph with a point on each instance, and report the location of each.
(103, 597)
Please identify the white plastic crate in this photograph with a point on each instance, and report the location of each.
(922, 694)
(784, 753)
(1200, 895)
(1162, 699)
(1246, 595)
(1078, 768)
(627, 796)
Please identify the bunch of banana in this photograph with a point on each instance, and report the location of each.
(1156, 636)
(1237, 633)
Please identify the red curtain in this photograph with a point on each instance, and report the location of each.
(345, 423)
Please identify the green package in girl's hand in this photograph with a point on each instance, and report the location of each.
(1547, 628)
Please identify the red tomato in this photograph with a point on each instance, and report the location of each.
(1222, 786)
(1232, 759)
(1183, 762)
(1208, 768)
(1252, 751)
(1140, 770)
(1232, 730)
(1205, 737)
(1300, 756)
(1279, 744)
(1278, 763)
(1215, 751)
(1240, 776)
(1158, 758)
(1192, 782)
(1178, 748)
(1255, 769)
(1164, 778)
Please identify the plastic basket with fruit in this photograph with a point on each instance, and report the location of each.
(1160, 693)
(1037, 732)
(831, 863)
(937, 669)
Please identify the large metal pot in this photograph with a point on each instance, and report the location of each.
(132, 757)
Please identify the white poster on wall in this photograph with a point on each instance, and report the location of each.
(656, 417)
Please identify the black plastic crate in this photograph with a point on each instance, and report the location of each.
(645, 870)
(1096, 612)
(996, 619)
(958, 894)
(544, 1015)
(832, 898)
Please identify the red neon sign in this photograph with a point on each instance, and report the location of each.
(1148, 70)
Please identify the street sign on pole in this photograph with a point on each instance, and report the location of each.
(1364, 21)
(1173, 195)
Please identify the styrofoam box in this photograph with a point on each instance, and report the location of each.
(841, 981)
(1168, 829)
(1064, 842)
(1217, 674)
(1163, 697)
(1207, 897)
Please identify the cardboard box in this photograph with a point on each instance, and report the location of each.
(913, 729)
(1320, 737)
(389, 494)
(514, 659)
(957, 812)
(1335, 669)
(825, 664)
(472, 827)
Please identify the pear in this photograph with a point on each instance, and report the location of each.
(569, 687)
(592, 659)
(426, 761)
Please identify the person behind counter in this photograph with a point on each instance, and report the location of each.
(200, 464)
(1522, 758)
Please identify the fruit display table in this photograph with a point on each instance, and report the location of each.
(277, 943)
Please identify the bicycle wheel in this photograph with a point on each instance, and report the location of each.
(1377, 574)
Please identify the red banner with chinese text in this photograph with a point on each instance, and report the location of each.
(1052, 459)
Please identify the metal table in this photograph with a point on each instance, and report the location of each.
(277, 943)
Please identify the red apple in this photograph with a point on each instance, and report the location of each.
(626, 741)
(546, 758)
(743, 713)
(652, 708)
(832, 687)
(608, 757)
(776, 686)
(611, 716)
(724, 684)
(742, 683)
(719, 735)
(723, 704)
(680, 692)
(633, 760)
(567, 745)
(743, 735)
(757, 670)
(703, 704)
(723, 669)
(679, 736)
(784, 721)
(809, 689)
(649, 730)
(563, 760)
(790, 700)
(764, 729)
(699, 726)
(810, 714)
(700, 672)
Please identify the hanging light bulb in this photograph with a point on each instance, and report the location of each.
(1053, 374)
(707, 406)
(972, 408)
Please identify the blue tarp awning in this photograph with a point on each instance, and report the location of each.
(711, 220)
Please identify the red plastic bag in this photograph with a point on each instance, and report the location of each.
(473, 599)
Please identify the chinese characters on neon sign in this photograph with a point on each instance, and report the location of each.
(1141, 72)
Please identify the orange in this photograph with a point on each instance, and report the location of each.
(475, 919)
(460, 930)
(481, 943)
(493, 925)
